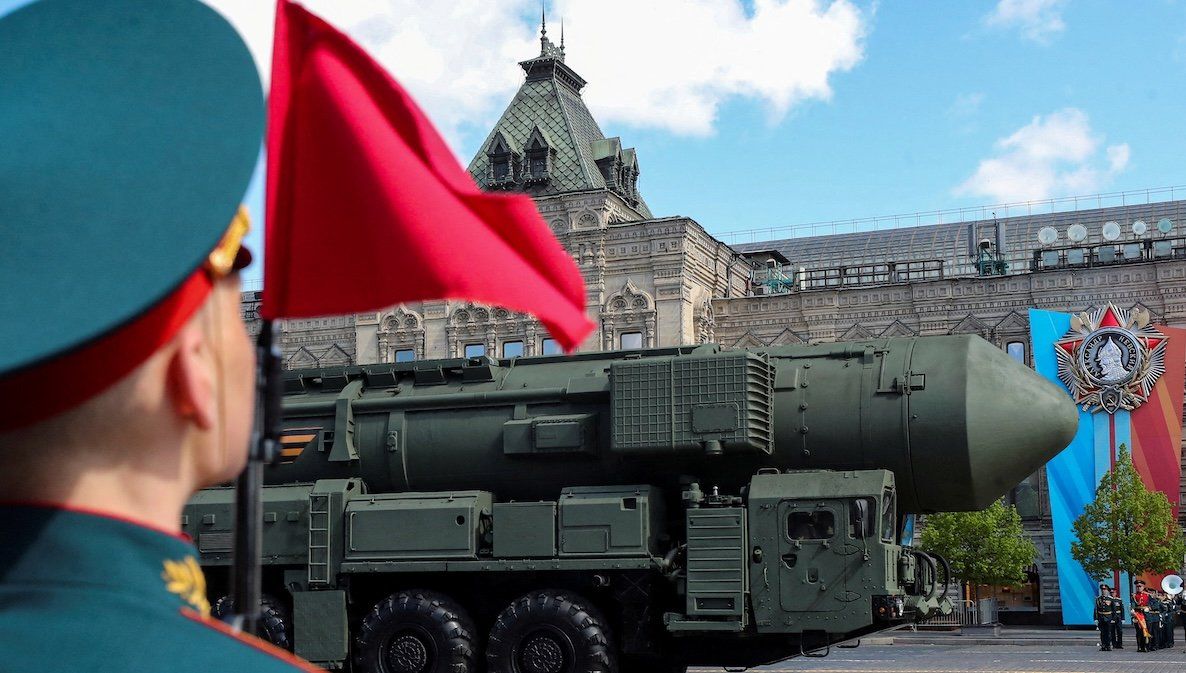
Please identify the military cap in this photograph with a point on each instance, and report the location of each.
(131, 129)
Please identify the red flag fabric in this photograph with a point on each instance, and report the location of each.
(367, 207)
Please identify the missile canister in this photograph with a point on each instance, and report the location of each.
(955, 419)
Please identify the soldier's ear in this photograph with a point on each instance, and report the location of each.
(191, 377)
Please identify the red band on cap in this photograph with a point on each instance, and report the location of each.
(39, 392)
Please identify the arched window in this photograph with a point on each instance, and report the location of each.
(1016, 350)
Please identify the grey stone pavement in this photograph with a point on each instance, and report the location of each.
(1015, 651)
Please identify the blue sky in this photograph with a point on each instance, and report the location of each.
(770, 113)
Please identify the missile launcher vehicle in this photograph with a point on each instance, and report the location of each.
(626, 512)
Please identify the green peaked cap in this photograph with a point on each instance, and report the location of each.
(129, 129)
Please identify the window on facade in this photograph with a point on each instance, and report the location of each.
(1025, 498)
(1016, 350)
(475, 350)
(512, 349)
(538, 162)
(817, 525)
(630, 340)
(549, 347)
(405, 355)
(501, 167)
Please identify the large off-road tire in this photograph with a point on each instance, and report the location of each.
(416, 632)
(275, 623)
(551, 632)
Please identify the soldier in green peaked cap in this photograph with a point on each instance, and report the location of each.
(130, 130)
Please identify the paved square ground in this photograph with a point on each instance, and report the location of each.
(974, 659)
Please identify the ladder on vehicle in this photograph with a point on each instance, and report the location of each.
(318, 538)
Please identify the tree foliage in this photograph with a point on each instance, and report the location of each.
(1127, 527)
(985, 547)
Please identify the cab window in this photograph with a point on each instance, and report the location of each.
(889, 514)
(817, 525)
(860, 518)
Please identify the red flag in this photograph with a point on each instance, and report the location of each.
(367, 207)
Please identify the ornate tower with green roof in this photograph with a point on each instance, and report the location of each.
(547, 143)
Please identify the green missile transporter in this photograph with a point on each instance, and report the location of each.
(626, 512)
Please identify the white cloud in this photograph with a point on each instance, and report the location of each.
(1038, 20)
(671, 64)
(1054, 155)
(667, 64)
(458, 59)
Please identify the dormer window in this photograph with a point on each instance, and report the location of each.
(501, 168)
(539, 157)
(504, 162)
(537, 162)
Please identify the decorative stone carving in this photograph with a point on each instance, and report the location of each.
(971, 325)
(401, 329)
(787, 337)
(706, 324)
(856, 333)
(898, 329)
(470, 323)
(748, 340)
(588, 220)
(628, 310)
(301, 359)
(334, 355)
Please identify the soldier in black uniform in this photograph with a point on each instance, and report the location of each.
(1104, 617)
(1118, 622)
(1153, 619)
(1167, 618)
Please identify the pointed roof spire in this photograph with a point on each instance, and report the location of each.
(546, 48)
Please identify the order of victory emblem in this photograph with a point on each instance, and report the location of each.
(1111, 358)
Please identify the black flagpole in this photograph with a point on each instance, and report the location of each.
(249, 486)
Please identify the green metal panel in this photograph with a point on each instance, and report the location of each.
(567, 433)
(208, 518)
(720, 403)
(611, 520)
(398, 526)
(524, 530)
(320, 630)
(717, 562)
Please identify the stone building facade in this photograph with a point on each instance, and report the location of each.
(662, 281)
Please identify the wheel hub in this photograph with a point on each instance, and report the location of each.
(541, 654)
(407, 654)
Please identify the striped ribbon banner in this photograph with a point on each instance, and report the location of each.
(1153, 434)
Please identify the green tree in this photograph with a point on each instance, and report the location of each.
(985, 547)
(1127, 527)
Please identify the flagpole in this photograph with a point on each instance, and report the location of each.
(249, 486)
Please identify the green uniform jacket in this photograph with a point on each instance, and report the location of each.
(1104, 609)
(86, 592)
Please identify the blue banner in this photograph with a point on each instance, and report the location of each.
(1072, 475)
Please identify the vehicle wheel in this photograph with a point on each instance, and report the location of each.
(275, 625)
(550, 632)
(416, 632)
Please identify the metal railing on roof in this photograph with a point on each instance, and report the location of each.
(948, 216)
